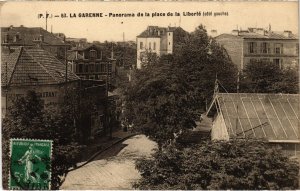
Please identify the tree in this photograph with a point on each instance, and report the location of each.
(268, 77)
(27, 118)
(236, 164)
(169, 93)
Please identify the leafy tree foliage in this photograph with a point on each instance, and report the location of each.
(27, 118)
(268, 77)
(168, 94)
(237, 164)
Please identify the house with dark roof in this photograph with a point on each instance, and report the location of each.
(157, 40)
(271, 117)
(92, 62)
(28, 68)
(258, 44)
(34, 37)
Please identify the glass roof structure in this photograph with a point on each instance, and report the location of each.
(269, 116)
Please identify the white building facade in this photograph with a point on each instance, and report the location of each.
(154, 39)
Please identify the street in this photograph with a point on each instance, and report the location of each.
(112, 169)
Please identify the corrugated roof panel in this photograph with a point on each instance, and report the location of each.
(274, 116)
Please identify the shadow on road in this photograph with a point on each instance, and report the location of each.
(113, 151)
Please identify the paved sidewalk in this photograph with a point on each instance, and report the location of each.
(114, 169)
(102, 144)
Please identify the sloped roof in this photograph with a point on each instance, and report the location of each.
(32, 66)
(274, 117)
(72, 55)
(152, 31)
(9, 58)
(28, 34)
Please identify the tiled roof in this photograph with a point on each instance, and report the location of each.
(9, 58)
(28, 34)
(31, 66)
(269, 116)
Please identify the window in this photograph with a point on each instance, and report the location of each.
(149, 45)
(297, 48)
(252, 47)
(169, 43)
(141, 45)
(154, 45)
(169, 33)
(93, 54)
(253, 60)
(264, 47)
(80, 68)
(278, 48)
(86, 68)
(277, 61)
(91, 67)
(97, 67)
(102, 67)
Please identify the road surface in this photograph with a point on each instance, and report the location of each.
(113, 169)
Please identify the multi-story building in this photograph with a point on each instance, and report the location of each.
(33, 37)
(92, 62)
(254, 44)
(159, 40)
(27, 68)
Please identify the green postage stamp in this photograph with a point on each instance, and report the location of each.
(30, 165)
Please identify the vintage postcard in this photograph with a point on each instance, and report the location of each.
(160, 95)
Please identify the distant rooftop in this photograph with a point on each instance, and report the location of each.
(274, 117)
(156, 31)
(260, 33)
(32, 66)
(25, 36)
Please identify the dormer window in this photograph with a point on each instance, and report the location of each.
(6, 38)
(93, 54)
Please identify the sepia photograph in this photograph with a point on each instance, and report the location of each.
(150, 95)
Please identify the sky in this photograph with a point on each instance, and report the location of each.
(280, 15)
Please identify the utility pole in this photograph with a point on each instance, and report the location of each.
(66, 62)
(46, 20)
(107, 100)
(6, 88)
(238, 83)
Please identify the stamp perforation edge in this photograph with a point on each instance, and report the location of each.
(27, 139)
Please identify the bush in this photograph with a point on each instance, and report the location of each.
(237, 164)
(28, 119)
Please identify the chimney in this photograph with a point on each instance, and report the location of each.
(287, 33)
(76, 52)
(214, 33)
(112, 52)
(235, 32)
(252, 29)
(21, 25)
(151, 31)
(6, 38)
(42, 38)
(261, 31)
